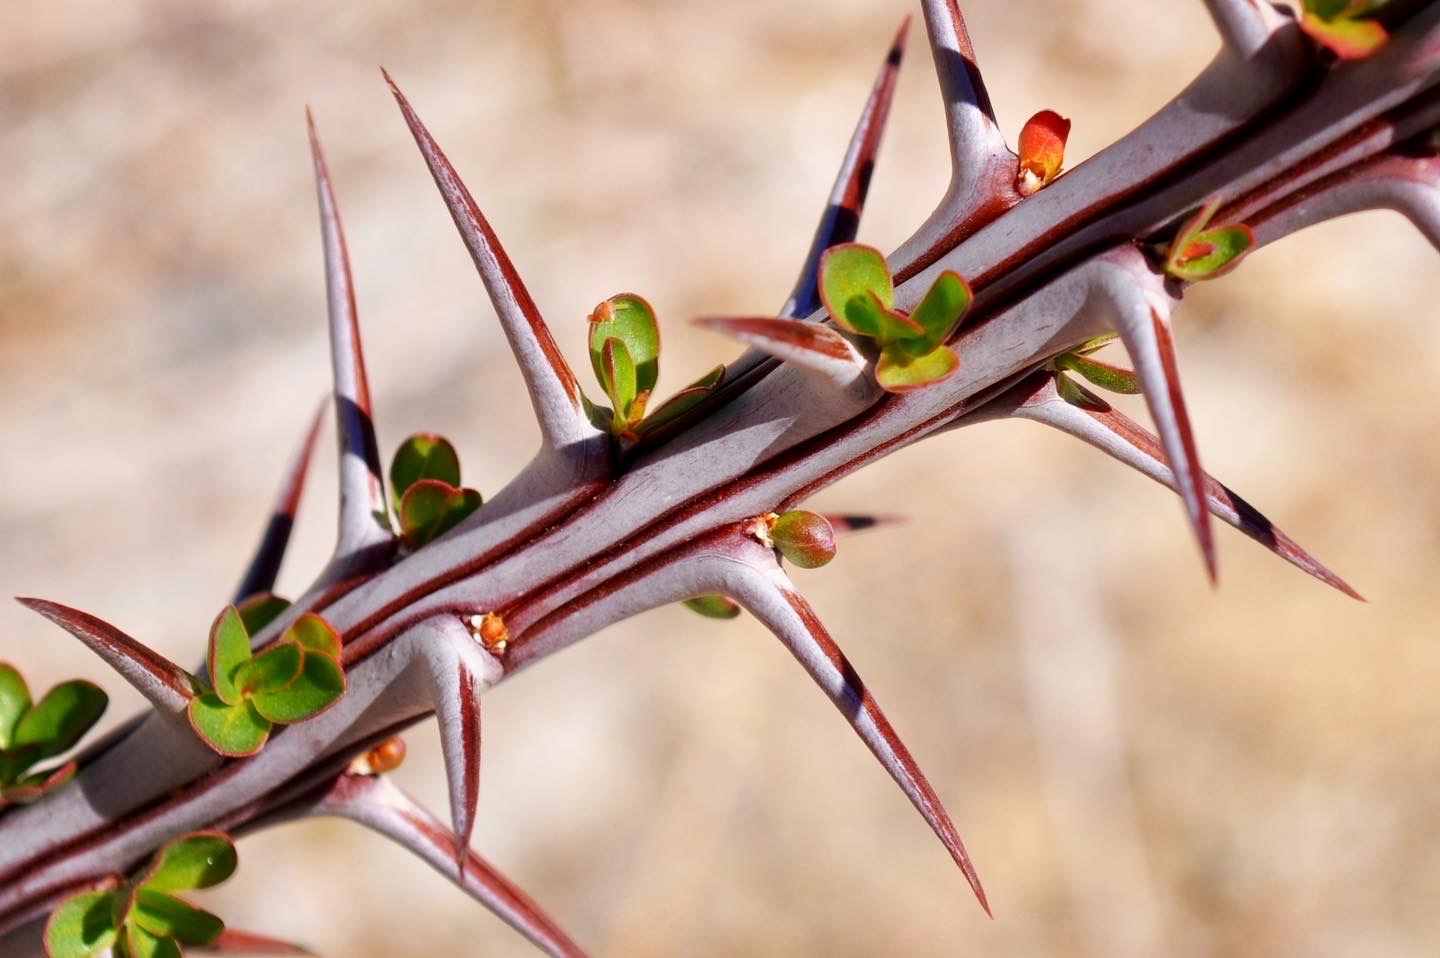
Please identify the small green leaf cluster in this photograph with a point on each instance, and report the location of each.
(1201, 251)
(425, 489)
(1342, 27)
(31, 732)
(296, 678)
(144, 918)
(858, 292)
(625, 356)
(803, 538)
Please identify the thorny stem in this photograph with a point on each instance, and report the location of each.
(1265, 121)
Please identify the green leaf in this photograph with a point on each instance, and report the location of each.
(897, 372)
(1077, 397)
(82, 926)
(617, 377)
(422, 456)
(713, 606)
(59, 720)
(229, 649)
(235, 731)
(1327, 9)
(14, 700)
(682, 402)
(1101, 374)
(804, 538)
(314, 634)
(141, 944)
(260, 610)
(165, 916)
(1211, 253)
(431, 508)
(271, 670)
(939, 313)
(320, 684)
(855, 280)
(629, 319)
(196, 860)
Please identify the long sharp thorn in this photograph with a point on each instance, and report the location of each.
(851, 524)
(1143, 324)
(967, 102)
(1099, 424)
(1245, 26)
(554, 393)
(233, 941)
(841, 220)
(767, 594)
(163, 683)
(982, 167)
(265, 564)
(362, 496)
(379, 805)
(458, 669)
(812, 347)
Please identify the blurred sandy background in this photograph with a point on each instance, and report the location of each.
(1139, 765)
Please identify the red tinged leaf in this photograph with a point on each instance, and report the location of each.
(1349, 38)
(1042, 151)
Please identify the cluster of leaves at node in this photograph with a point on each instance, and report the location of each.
(293, 679)
(624, 348)
(1343, 26)
(859, 293)
(31, 732)
(426, 491)
(144, 918)
(1201, 251)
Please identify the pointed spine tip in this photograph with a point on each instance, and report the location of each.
(552, 387)
(163, 683)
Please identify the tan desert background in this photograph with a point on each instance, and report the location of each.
(1140, 765)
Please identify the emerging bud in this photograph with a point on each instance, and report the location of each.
(1042, 151)
(385, 757)
(804, 538)
(490, 630)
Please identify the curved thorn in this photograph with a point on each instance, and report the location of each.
(841, 220)
(810, 346)
(362, 495)
(457, 669)
(163, 683)
(1141, 317)
(1245, 26)
(233, 941)
(554, 392)
(1102, 426)
(767, 594)
(265, 563)
(852, 524)
(377, 804)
